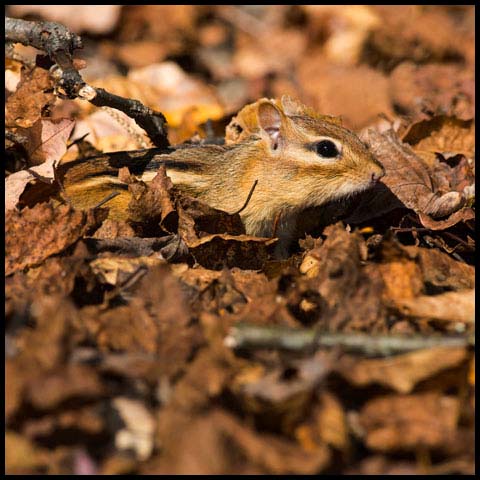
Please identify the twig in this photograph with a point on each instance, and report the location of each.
(247, 200)
(245, 336)
(459, 240)
(59, 44)
(409, 229)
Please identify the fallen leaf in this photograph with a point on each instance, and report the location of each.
(401, 372)
(440, 271)
(194, 448)
(116, 271)
(335, 272)
(22, 455)
(111, 229)
(152, 204)
(137, 435)
(461, 215)
(442, 89)
(410, 33)
(34, 93)
(110, 132)
(408, 422)
(47, 140)
(356, 93)
(282, 394)
(81, 18)
(442, 134)
(242, 251)
(327, 424)
(408, 177)
(447, 307)
(196, 219)
(35, 234)
(71, 382)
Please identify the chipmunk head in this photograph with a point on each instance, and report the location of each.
(320, 159)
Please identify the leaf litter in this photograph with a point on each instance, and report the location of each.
(116, 359)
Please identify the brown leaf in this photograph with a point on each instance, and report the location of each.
(408, 33)
(24, 107)
(286, 391)
(408, 177)
(157, 320)
(35, 234)
(408, 422)
(47, 140)
(46, 144)
(218, 443)
(69, 382)
(152, 204)
(99, 20)
(327, 424)
(356, 93)
(111, 229)
(14, 388)
(402, 279)
(442, 134)
(22, 455)
(448, 307)
(461, 215)
(447, 89)
(196, 219)
(402, 372)
(44, 346)
(441, 271)
(352, 293)
(242, 251)
(117, 270)
(26, 183)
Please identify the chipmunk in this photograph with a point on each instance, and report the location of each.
(295, 157)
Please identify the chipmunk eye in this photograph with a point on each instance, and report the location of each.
(327, 149)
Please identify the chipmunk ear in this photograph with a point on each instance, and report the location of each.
(270, 119)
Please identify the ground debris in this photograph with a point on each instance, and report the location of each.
(165, 339)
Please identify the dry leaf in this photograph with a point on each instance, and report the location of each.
(47, 140)
(96, 19)
(409, 422)
(447, 89)
(137, 435)
(115, 270)
(242, 251)
(446, 307)
(22, 455)
(408, 177)
(33, 235)
(153, 204)
(201, 444)
(33, 94)
(442, 134)
(402, 372)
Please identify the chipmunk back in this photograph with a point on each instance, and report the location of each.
(296, 157)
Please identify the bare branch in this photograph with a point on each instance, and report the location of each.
(245, 336)
(59, 43)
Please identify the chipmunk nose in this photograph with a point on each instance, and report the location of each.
(377, 174)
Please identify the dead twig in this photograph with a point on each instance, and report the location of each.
(59, 44)
(245, 336)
